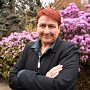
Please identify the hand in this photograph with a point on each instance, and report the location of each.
(54, 71)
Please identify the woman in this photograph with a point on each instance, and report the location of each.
(49, 63)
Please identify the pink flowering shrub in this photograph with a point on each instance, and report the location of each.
(75, 28)
(11, 48)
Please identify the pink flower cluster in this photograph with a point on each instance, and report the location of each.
(16, 38)
(75, 28)
(13, 45)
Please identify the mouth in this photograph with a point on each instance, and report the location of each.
(46, 36)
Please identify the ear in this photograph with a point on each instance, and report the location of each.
(39, 9)
(59, 28)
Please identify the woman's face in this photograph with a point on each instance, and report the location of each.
(47, 29)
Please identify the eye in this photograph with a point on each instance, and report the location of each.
(43, 25)
(51, 26)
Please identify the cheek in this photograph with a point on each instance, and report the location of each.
(57, 33)
(39, 33)
(38, 30)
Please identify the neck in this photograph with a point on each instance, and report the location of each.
(44, 47)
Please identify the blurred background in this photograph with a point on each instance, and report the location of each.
(18, 26)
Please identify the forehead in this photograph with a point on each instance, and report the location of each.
(46, 19)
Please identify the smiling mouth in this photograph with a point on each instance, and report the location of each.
(47, 36)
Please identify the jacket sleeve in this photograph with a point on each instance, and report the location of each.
(66, 79)
(13, 79)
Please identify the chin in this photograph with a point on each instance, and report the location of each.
(47, 41)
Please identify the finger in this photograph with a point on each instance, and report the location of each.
(56, 71)
(53, 76)
(56, 68)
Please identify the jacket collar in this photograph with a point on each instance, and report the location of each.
(36, 46)
(57, 44)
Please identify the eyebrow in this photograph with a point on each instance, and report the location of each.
(47, 24)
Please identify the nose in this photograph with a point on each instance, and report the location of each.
(46, 30)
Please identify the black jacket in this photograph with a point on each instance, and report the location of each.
(64, 53)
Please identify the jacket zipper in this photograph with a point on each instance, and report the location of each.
(39, 62)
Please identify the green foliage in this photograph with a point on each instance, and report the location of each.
(31, 26)
(14, 16)
(9, 55)
(11, 48)
(83, 80)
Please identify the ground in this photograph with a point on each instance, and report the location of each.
(4, 85)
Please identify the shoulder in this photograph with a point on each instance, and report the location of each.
(65, 44)
(28, 45)
(68, 46)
